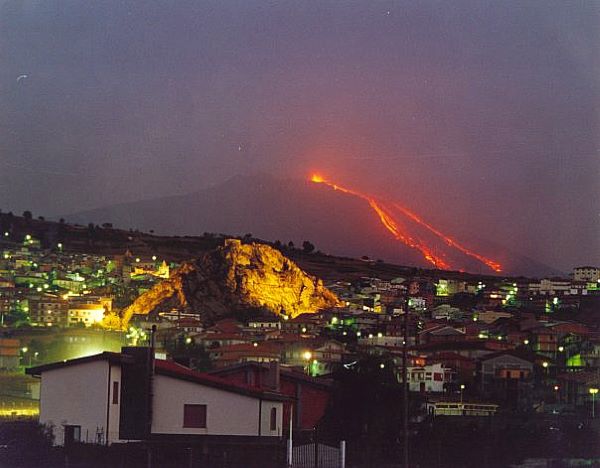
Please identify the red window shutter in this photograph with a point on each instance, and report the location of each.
(194, 416)
(438, 376)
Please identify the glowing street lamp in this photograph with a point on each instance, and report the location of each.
(307, 356)
(25, 349)
(462, 389)
(593, 392)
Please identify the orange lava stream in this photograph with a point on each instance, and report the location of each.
(389, 223)
(451, 242)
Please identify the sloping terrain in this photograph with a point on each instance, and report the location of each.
(233, 278)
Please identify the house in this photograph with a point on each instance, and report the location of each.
(430, 378)
(303, 324)
(245, 352)
(129, 396)
(9, 353)
(442, 334)
(463, 367)
(311, 395)
(265, 323)
(507, 376)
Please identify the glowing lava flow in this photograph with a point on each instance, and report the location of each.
(388, 222)
(451, 242)
(392, 226)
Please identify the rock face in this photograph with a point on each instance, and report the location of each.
(232, 278)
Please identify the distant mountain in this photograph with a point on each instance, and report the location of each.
(296, 210)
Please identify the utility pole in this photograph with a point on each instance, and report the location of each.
(405, 380)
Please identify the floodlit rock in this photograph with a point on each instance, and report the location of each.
(232, 278)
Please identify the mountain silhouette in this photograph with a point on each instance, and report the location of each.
(295, 210)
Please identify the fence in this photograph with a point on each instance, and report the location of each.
(317, 455)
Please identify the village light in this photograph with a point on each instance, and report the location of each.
(556, 388)
(382, 366)
(358, 333)
(303, 329)
(307, 355)
(379, 335)
(188, 340)
(545, 364)
(255, 344)
(154, 257)
(334, 320)
(561, 349)
(525, 342)
(25, 349)
(6, 234)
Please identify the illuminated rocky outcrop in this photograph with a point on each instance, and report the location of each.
(232, 278)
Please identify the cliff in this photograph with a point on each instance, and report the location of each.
(231, 278)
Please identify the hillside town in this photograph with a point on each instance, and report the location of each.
(469, 347)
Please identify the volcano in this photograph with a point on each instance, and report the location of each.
(335, 221)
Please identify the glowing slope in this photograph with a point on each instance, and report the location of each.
(384, 211)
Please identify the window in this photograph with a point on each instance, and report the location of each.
(273, 419)
(194, 416)
(72, 434)
(115, 393)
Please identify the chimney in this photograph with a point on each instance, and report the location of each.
(272, 381)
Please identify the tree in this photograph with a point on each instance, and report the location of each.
(290, 244)
(27, 215)
(308, 247)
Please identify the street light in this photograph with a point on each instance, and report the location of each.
(25, 349)
(307, 356)
(593, 392)
(462, 388)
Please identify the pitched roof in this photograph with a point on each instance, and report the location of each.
(169, 369)
(285, 373)
(113, 358)
(177, 371)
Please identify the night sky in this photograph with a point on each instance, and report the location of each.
(481, 116)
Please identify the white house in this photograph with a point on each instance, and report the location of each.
(431, 378)
(118, 397)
